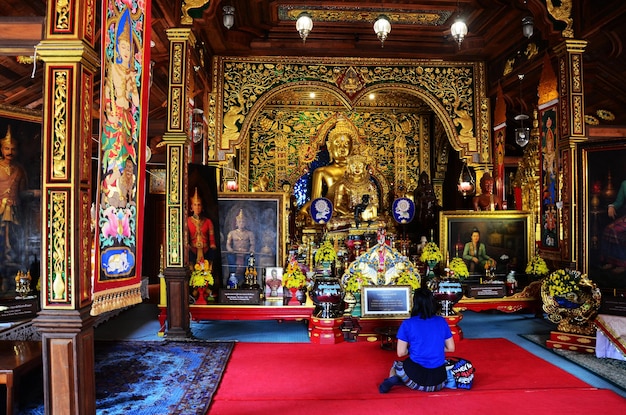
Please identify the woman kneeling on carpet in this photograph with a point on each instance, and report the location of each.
(425, 338)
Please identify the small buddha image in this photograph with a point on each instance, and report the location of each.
(487, 200)
(355, 192)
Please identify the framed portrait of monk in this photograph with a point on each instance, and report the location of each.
(252, 232)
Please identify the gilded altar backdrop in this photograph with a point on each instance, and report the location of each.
(295, 139)
(254, 112)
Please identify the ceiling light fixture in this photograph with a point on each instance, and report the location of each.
(522, 134)
(458, 30)
(229, 16)
(528, 26)
(382, 27)
(304, 25)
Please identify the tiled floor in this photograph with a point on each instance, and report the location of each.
(141, 323)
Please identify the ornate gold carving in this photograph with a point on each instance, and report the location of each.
(177, 62)
(577, 110)
(174, 174)
(86, 232)
(563, 13)
(62, 15)
(90, 19)
(59, 138)
(451, 88)
(87, 97)
(547, 89)
(58, 252)
(174, 229)
(360, 14)
(300, 136)
(210, 118)
(351, 82)
(576, 74)
(176, 108)
(188, 5)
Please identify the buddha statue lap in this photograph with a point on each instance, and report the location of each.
(355, 198)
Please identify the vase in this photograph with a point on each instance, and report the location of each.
(565, 303)
(447, 294)
(327, 295)
(356, 310)
(431, 267)
(201, 299)
(294, 297)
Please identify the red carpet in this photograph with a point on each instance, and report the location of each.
(305, 378)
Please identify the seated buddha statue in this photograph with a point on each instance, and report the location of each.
(355, 192)
(339, 143)
(487, 200)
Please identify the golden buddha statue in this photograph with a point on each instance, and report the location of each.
(339, 143)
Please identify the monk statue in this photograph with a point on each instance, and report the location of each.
(339, 143)
(348, 194)
(487, 200)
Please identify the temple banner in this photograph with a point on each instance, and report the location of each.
(120, 198)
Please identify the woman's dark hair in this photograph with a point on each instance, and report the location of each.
(476, 231)
(424, 304)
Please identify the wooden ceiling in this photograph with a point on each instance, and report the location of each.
(420, 30)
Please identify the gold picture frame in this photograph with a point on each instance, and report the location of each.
(265, 217)
(507, 234)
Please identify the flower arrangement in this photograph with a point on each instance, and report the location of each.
(325, 253)
(201, 275)
(562, 281)
(408, 278)
(354, 282)
(431, 252)
(458, 268)
(537, 266)
(294, 277)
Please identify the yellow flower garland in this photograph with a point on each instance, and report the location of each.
(294, 277)
(459, 268)
(562, 281)
(537, 266)
(431, 252)
(201, 275)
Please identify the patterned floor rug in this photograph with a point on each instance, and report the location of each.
(152, 378)
(612, 370)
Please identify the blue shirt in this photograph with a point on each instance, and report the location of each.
(426, 339)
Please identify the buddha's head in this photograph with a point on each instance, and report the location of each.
(339, 140)
(486, 183)
(357, 167)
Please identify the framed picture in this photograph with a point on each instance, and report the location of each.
(251, 226)
(273, 283)
(602, 245)
(391, 301)
(20, 186)
(157, 181)
(507, 236)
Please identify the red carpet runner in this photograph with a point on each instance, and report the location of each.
(263, 378)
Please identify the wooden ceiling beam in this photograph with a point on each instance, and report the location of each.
(20, 35)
